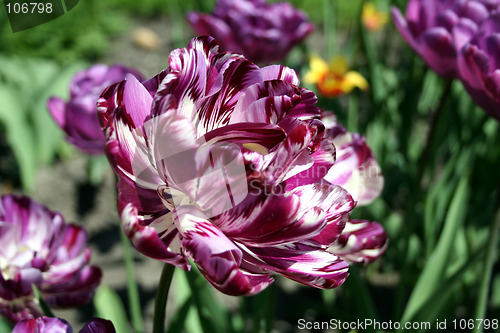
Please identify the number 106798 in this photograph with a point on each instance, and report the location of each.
(29, 8)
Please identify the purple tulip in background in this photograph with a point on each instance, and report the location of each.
(479, 66)
(222, 162)
(39, 248)
(78, 116)
(355, 168)
(438, 29)
(262, 32)
(56, 325)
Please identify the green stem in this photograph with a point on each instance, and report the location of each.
(132, 290)
(263, 310)
(329, 28)
(489, 261)
(161, 298)
(370, 49)
(431, 138)
(353, 112)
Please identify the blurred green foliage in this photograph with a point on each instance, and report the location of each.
(25, 86)
(438, 152)
(82, 33)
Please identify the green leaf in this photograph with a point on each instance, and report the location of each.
(431, 279)
(5, 326)
(19, 134)
(178, 323)
(109, 306)
(183, 296)
(213, 317)
(46, 310)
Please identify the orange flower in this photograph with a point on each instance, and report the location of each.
(373, 19)
(333, 79)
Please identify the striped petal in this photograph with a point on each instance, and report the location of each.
(42, 325)
(266, 219)
(324, 159)
(361, 241)
(334, 201)
(355, 168)
(158, 240)
(304, 262)
(216, 256)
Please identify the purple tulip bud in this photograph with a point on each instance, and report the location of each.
(98, 325)
(263, 32)
(78, 116)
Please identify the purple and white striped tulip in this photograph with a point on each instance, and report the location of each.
(222, 162)
(263, 32)
(355, 168)
(78, 117)
(479, 66)
(57, 325)
(438, 29)
(42, 325)
(39, 248)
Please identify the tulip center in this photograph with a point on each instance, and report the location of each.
(8, 272)
(256, 148)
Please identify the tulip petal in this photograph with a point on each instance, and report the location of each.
(217, 257)
(324, 159)
(57, 108)
(98, 325)
(361, 241)
(162, 244)
(334, 201)
(42, 325)
(280, 72)
(304, 262)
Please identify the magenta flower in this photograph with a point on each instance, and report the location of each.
(222, 162)
(355, 168)
(42, 325)
(263, 32)
(39, 248)
(78, 116)
(56, 325)
(479, 66)
(438, 29)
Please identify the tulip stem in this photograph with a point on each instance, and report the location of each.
(436, 120)
(489, 261)
(132, 290)
(161, 298)
(329, 27)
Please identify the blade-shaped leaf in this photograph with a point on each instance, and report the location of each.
(109, 306)
(431, 279)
